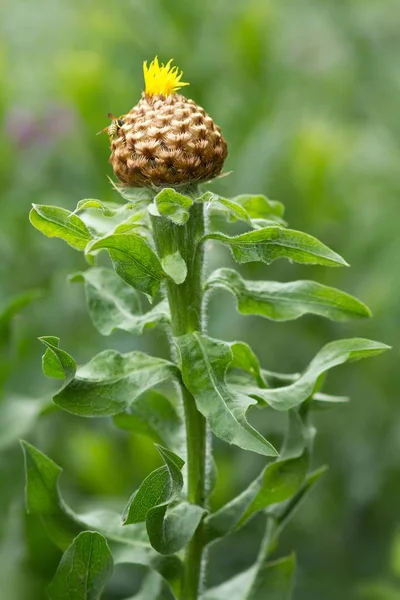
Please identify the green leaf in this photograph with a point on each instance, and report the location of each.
(175, 267)
(113, 304)
(270, 243)
(269, 581)
(257, 211)
(331, 355)
(154, 588)
(286, 301)
(134, 261)
(59, 222)
(129, 544)
(57, 363)
(84, 570)
(259, 206)
(110, 209)
(168, 533)
(111, 382)
(18, 415)
(274, 580)
(42, 497)
(233, 589)
(154, 416)
(204, 362)
(162, 486)
(173, 205)
(245, 359)
(283, 513)
(277, 482)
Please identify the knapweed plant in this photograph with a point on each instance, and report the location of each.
(164, 152)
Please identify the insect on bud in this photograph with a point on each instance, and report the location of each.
(166, 139)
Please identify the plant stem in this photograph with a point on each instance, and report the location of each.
(185, 302)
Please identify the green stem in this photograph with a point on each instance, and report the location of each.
(185, 302)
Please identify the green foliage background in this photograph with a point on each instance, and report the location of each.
(307, 94)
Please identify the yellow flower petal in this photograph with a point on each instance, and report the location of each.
(162, 79)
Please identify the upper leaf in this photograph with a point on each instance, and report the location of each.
(175, 267)
(331, 355)
(270, 243)
(286, 301)
(204, 362)
(110, 382)
(173, 205)
(259, 206)
(113, 304)
(133, 260)
(110, 209)
(256, 210)
(84, 570)
(59, 222)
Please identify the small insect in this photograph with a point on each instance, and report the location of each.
(113, 129)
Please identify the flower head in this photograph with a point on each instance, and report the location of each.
(162, 79)
(166, 139)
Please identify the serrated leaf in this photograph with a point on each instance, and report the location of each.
(277, 482)
(272, 581)
(204, 362)
(113, 304)
(175, 267)
(162, 486)
(133, 260)
(287, 301)
(53, 221)
(84, 570)
(129, 544)
(111, 382)
(173, 205)
(154, 416)
(270, 243)
(56, 363)
(168, 533)
(330, 356)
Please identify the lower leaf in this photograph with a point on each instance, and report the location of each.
(272, 581)
(84, 569)
(129, 545)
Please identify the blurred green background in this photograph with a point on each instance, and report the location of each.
(307, 93)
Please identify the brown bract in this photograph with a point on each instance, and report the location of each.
(167, 140)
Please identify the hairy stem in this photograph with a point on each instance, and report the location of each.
(185, 301)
